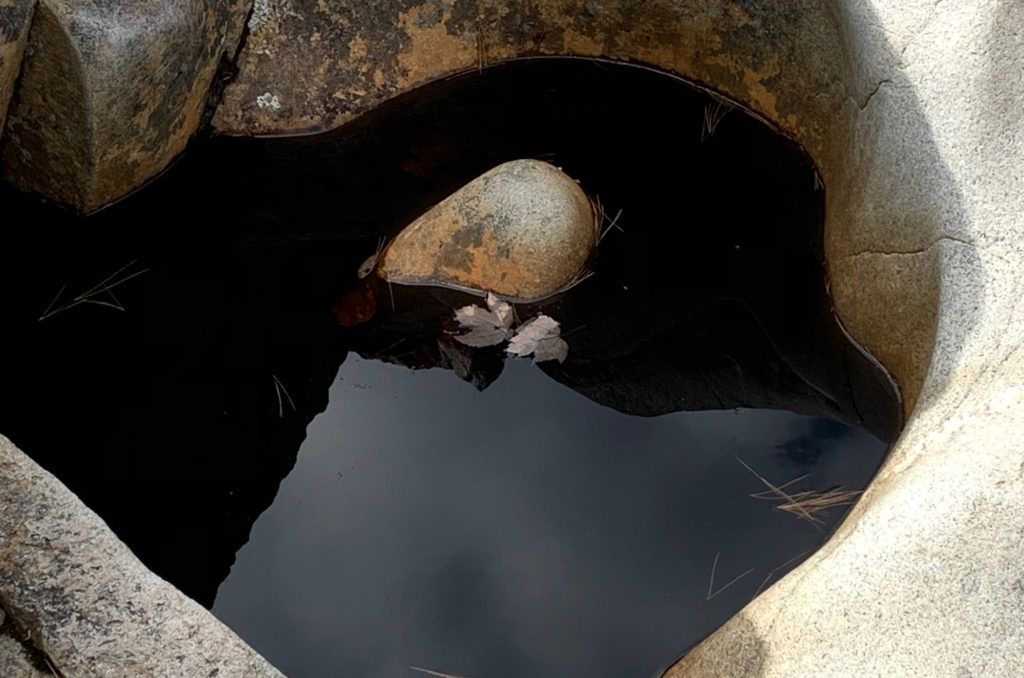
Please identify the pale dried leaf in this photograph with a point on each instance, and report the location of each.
(539, 338)
(528, 334)
(550, 348)
(501, 309)
(485, 327)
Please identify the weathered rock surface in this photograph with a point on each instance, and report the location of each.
(309, 66)
(87, 602)
(925, 577)
(522, 230)
(111, 91)
(15, 18)
(16, 660)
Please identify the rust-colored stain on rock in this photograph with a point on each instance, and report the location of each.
(523, 230)
(15, 19)
(375, 51)
(94, 117)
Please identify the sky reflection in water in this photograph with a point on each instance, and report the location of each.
(523, 531)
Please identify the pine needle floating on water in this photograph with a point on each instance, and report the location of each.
(777, 490)
(94, 295)
(818, 502)
(430, 672)
(713, 116)
(771, 574)
(806, 504)
(711, 582)
(613, 224)
(279, 389)
(819, 185)
(582, 276)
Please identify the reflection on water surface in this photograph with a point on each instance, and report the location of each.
(522, 531)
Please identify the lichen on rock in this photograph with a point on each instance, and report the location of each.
(523, 230)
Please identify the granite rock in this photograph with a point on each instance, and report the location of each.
(87, 602)
(111, 91)
(18, 661)
(310, 66)
(924, 577)
(15, 18)
(522, 230)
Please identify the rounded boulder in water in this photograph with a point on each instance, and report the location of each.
(523, 230)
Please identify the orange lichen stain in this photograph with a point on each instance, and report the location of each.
(681, 57)
(321, 73)
(437, 250)
(488, 270)
(739, 16)
(328, 8)
(432, 52)
(753, 91)
(674, 59)
(582, 44)
(349, 92)
(357, 49)
(478, 266)
(426, 252)
(760, 96)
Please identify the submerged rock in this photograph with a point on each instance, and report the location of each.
(522, 230)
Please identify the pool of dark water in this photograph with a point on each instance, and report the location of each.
(536, 534)
(351, 507)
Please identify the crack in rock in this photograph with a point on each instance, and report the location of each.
(871, 95)
(904, 253)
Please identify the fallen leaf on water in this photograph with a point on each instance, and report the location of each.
(539, 337)
(501, 309)
(486, 327)
(355, 308)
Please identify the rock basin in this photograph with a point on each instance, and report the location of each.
(523, 230)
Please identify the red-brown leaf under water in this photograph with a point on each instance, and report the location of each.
(355, 308)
